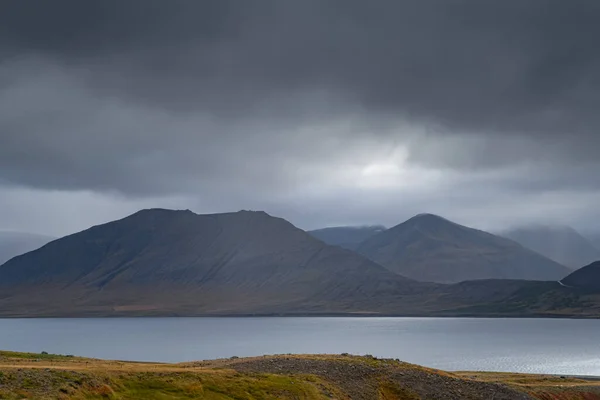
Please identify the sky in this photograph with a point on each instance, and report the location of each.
(338, 112)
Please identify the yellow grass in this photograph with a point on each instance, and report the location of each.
(37, 376)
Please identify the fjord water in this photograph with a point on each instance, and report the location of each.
(557, 346)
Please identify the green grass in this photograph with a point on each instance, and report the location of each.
(34, 356)
(224, 385)
(391, 391)
(212, 385)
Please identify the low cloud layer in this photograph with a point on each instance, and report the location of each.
(338, 112)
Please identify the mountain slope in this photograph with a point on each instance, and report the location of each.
(594, 239)
(559, 243)
(587, 277)
(15, 243)
(348, 237)
(178, 261)
(431, 248)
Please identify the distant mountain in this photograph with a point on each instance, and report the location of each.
(430, 248)
(167, 261)
(587, 277)
(560, 243)
(16, 243)
(594, 239)
(348, 237)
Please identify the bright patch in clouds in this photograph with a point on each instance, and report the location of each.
(395, 172)
(381, 175)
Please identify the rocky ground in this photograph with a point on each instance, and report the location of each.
(306, 377)
(367, 378)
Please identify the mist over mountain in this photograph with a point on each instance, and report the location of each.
(562, 244)
(430, 248)
(594, 237)
(348, 237)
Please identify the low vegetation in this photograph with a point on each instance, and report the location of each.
(307, 377)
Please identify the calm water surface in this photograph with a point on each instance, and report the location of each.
(558, 346)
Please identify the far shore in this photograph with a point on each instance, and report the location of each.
(300, 315)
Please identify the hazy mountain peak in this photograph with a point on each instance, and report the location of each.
(348, 237)
(560, 243)
(594, 238)
(352, 228)
(428, 216)
(428, 221)
(543, 228)
(430, 226)
(373, 227)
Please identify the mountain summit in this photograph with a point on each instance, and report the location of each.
(428, 247)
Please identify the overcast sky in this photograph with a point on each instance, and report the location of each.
(322, 112)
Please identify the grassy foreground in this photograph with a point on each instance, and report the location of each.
(45, 376)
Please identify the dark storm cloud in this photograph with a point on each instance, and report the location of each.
(251, 99)
(481, 65)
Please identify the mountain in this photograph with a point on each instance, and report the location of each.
(559, 243)
(164, 261)
(587, 278)
(177, 263)
(348, 237)
(430, 248)
(16, 243)
(594, 239)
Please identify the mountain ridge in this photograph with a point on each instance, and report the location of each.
(428, 247)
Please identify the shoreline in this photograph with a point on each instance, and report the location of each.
(300, 315)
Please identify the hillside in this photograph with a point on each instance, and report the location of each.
(163, 261)
(348, 237)
(16, 243)
(514, 298)
(587, 278)
(308, 377)
(562, 244)
(431, 248)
